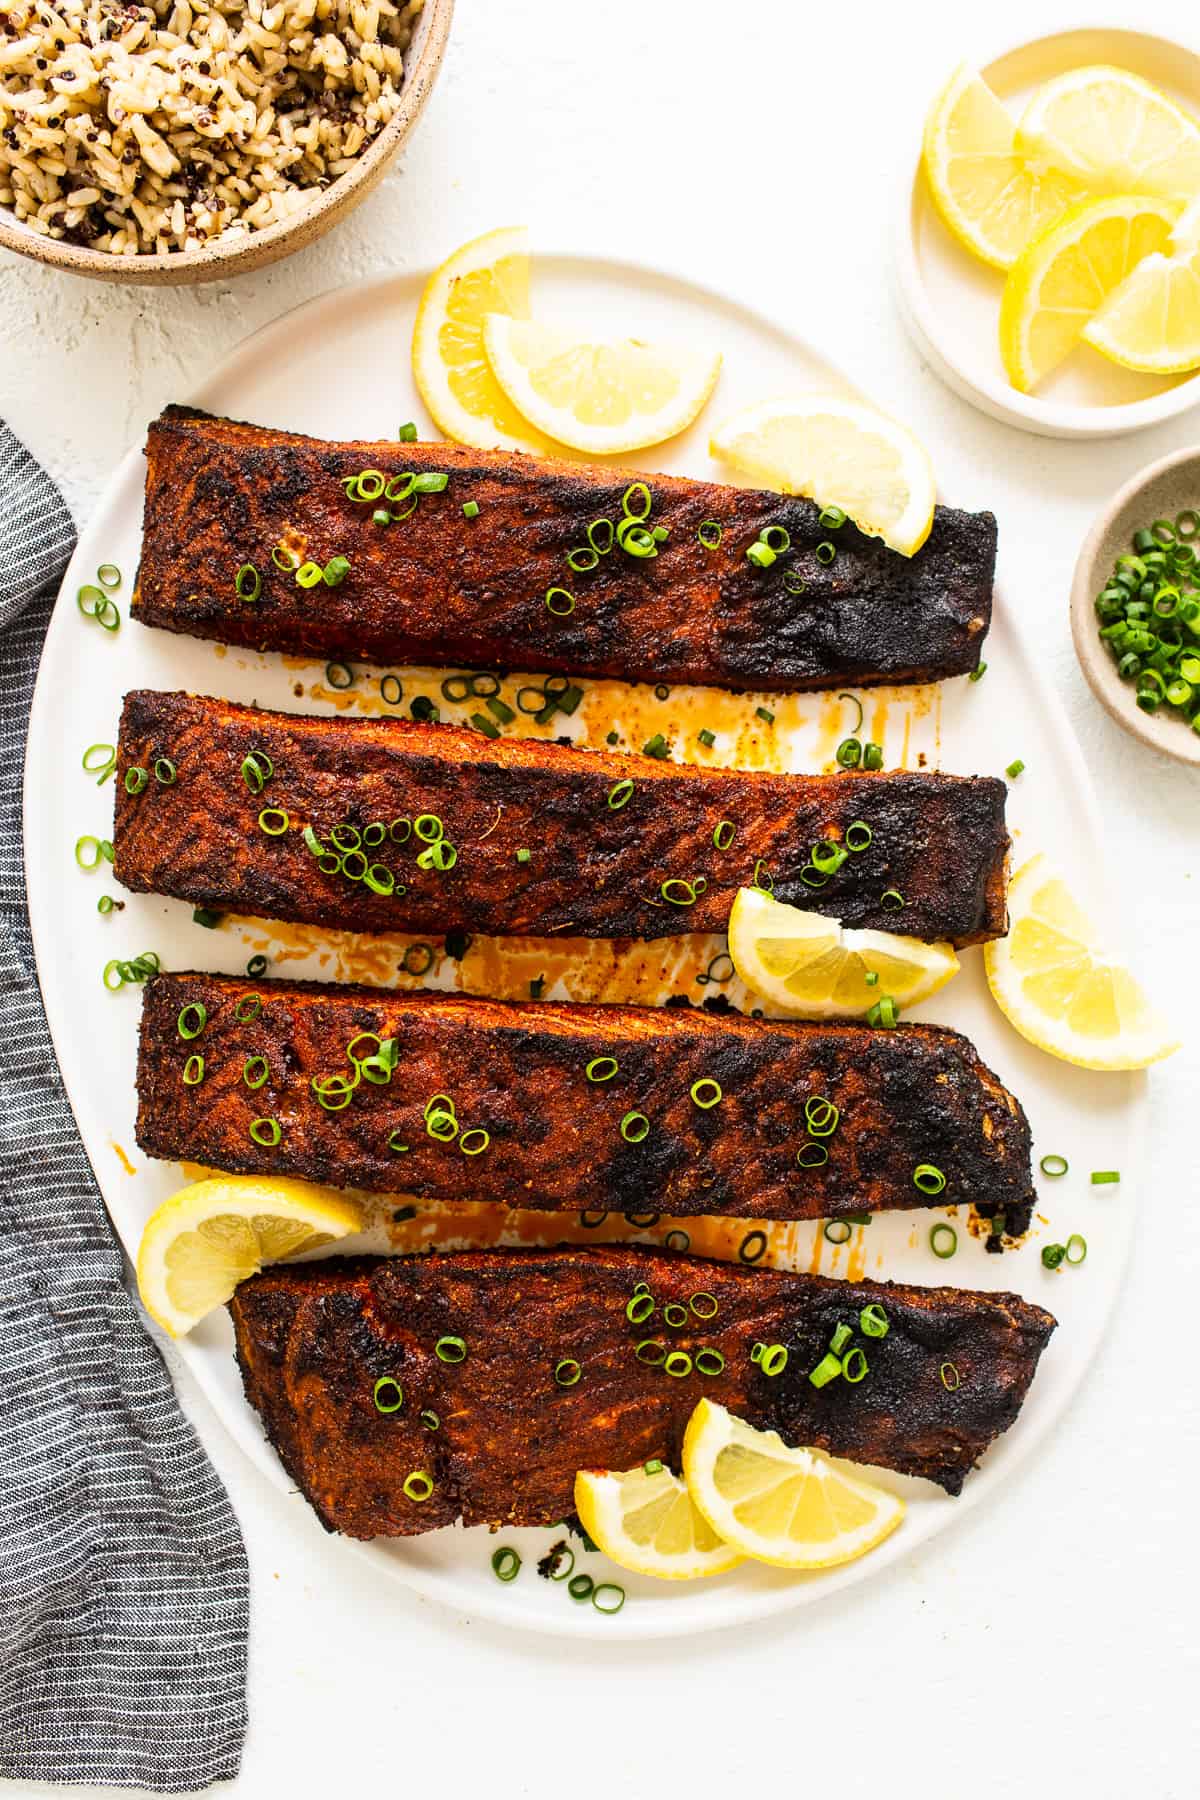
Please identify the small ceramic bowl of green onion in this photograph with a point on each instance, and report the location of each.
(1135, 607)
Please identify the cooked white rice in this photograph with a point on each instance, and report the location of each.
(166, 126)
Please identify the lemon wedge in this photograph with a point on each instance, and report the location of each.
(1066, 274)
(793, 1508)
(838, 453)
(200, 1243)
(1062, 989)
(605, 398)
(1151, 322)
(646, 1523)
(1114, 132)
(993, 200)
(807, 964)
(453, 375)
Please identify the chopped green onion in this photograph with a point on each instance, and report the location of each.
(105, 766)
(762, 712)
(581, 1587)
(929, 1178)
(979, 673)
(831, 518)
(601, 1068)
(826, 552)
(266, 1132)
(388, 1395)
(257, 770)
(873, 1321)
(708, 739)
(567, 1372)
(854, 1365)
(1053, 1255)
(635, 1127)
(827, 1370)
(475, 1141)
(943, 1240)
(418, 1486)
(639, 491)
(193, 1071)
(339, 675)
(249, 1006)
(891, 899)
(620, 794)
(642, 1352)
(760, 555)
(1105, 1177)
(773, 1360)
(872, 756)
(604, 530)
(842, 1336)
(950, 1377)
(657, 746)
(859, 836)
(256, 1071)
(706, 1093)
(1076, 1249)
(135, 780)
(709, 1309)
(248, 583)
(450, 1350)
(677, 1364)
(849, 753)
(583, 559)
(391, 690)
(88, 853)
(812, 1156)
(108, 575)
(273, 820)
(1014, 769)
(639, 1309)
(675, 1315)
(164, 771)
(506, 1564)
(559, 602)
(1054, 1165)
(192, 1019)
(710, 533)
(883, 1014)
(709, 1361)
(683, 893)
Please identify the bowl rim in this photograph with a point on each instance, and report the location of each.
(1047, 418)
(224, 257)
(1115, 695)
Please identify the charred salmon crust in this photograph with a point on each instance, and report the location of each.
(594, 868)
(313, 1339)
(436, 587)
(520, 1074)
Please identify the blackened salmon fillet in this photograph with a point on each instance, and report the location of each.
(440, 587)
(313, 1340)
(571, 1108)
(537, 838)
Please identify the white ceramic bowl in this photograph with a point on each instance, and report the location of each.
(239, 255)
(951, 301)
(1162, 491)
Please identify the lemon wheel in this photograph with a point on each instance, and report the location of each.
(841, 454)
(1059, 985)
(807, 964)
(198, 1245)
(793, 1508)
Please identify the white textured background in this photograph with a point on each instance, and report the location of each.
(1045, 1645)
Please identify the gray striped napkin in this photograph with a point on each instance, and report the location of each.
(123, 1580)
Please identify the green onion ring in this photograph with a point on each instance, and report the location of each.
(506, 1564)
(451, 1349)
(709, 1310)
(266, 1132)
(567, 1372)
(635, 1127)
(601, 1068)
(943, 1240)
(837, 1231)
(753, 1247)
(773, 1360)
(677, 1364)
(706, 1093)
(192, 1019)
(648, 1344)
(388, 1395)
(193, 1071)
(418, 1486)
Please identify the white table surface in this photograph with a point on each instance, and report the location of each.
(1047, 1643)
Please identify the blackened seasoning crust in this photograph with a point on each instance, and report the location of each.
(593, 870)
(438, 588)
(313, 1340)
(918, 1094)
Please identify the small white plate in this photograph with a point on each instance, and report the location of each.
(951, 301)
(338, 367)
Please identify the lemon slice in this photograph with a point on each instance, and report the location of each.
(488, 275)
(1062, 989)
(1067, 273)
(793, 1508)
(838, 453)
(647, 1523)
(201, 1242)
(807, 964)
(1152, 321)
(1114, 132)
(602, 398)
(991, 198)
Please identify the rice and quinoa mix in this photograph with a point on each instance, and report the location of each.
(169, 125)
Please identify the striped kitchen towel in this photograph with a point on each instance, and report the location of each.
(123, 1580)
